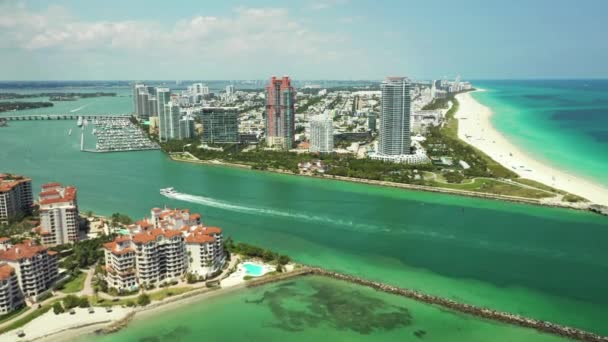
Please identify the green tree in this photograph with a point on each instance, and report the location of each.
(58, 308)
(143, 299)
(70, 301)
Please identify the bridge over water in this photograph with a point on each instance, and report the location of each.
(60, 117)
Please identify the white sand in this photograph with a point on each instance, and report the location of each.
(50, 324)
(475, 127)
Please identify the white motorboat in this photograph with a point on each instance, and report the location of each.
(167, 191)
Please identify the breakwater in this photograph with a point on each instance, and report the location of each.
(495, 315)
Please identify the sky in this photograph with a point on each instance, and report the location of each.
(307, 39)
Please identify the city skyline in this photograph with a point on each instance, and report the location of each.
(339, 39)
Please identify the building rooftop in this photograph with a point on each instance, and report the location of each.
(6, 271)
(52, 196)
(25, 250)
(8, 182)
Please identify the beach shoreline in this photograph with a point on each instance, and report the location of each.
(475, 128)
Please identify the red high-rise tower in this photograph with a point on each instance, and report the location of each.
(280, 112)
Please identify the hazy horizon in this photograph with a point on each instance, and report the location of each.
(309, 40)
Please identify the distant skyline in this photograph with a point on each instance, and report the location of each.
(316, 39)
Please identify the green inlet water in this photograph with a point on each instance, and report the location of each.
(315, 309)
(540, 262)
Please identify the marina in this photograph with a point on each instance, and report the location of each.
(117, 134)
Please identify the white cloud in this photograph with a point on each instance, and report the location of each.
(325, 4)
(248, 30)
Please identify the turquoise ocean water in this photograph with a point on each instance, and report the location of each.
(540, 262)
(561, 122)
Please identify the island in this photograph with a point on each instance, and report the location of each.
(55, 96)
(13, 106)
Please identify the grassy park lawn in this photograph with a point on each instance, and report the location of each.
(76, 284)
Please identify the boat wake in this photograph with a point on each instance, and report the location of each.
(210, 202)
(78, 109)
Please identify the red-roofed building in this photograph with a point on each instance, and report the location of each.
(205, 251)
(11, 297)
(16, 197)
(59, 219)
(120, 264)
(163, 248)
(34, 265)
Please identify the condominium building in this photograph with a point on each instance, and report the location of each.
(136, 104)
(186, 128)
(59, 218)
(145, 102)
(163, 248)
(205, 251)
(280, 113)
(395, 117)
(163, 97)
(15, 197)
(34, 265)
(220, 124)
(394, 131)
(119, 256)
(169, 123)
(321, 134)
(11, 297)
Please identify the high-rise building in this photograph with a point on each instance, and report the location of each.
(143, 103)
(59, 219)
(186, 128)
(136, 88)
(169, 126)
(34, 265)
(163, 96)
(229, 89)
(321, 134)
(153, 106)
(394, 131)
(220, 124)
(16, 197)
(280, 113)
(395, 117)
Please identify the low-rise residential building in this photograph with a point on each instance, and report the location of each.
(163, 248)
(16, 197)
(59, 219)
(34, 265)
(11, 297)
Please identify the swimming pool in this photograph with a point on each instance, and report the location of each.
(253, 269)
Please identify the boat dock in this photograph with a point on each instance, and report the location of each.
(118, 134)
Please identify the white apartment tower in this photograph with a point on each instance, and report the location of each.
(59, 220)
(15, 197)
(321, 134)
(395, 117)
(163, 97)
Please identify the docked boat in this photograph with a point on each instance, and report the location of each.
(167, 191)
(79, 123)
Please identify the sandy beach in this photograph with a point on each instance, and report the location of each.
(49, 324)
(475, 127)
(65, 327)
